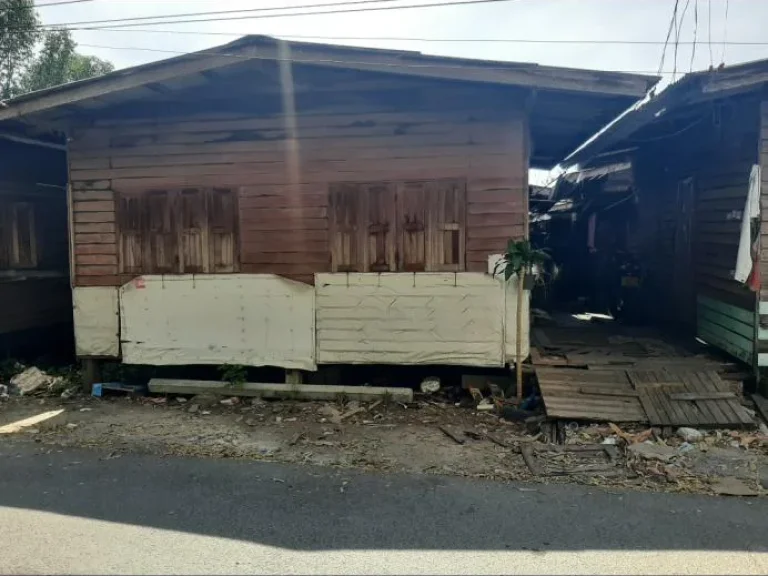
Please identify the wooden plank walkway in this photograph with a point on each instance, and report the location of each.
(593, 395)
(658, 397)
(688, 398)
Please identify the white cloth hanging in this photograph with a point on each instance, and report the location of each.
(744, 261)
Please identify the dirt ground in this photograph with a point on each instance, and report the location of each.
(392, 437)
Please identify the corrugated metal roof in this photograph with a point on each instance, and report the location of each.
(691, 88)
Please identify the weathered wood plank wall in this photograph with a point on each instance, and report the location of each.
(283, 177)
(714, 157)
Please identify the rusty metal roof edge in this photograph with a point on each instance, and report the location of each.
(707, 84)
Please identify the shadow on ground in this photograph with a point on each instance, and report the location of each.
(306, 508)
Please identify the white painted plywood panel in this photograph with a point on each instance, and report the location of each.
(97, 321)
(248, 319)
(510, 315)
(402, 318)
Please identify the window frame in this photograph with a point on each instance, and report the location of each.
(433, 226)
(173, 237)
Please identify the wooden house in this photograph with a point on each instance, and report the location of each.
(290, 204)
(694, 148)
(35, 296)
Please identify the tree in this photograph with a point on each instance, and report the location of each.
(19, 33)
(58, 63)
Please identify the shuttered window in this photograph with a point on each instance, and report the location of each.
(412, 213)
(449, 202)
(188, 231)
(415, 226)
(18, 236)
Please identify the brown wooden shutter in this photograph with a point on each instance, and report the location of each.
(412, 204)
(193, 241)
(24, 241)
(447, 224)
(222, 230)
(379, 207)
(346, 250)
(162, 246)
(131, 217)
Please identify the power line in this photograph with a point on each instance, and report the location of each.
(86, 25)
(61, 3)
(671, 26)
(222, 12)
(709, 33)
(725, 32)
(695, 32)
(437, 40)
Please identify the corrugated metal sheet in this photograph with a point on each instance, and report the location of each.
(97, 321)
(253, 320)
(402, 318)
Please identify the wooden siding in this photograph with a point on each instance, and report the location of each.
(283, 184)
(693, 252)
(764, 200)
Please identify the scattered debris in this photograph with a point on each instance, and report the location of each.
(69, 393)
(351, 413)
(295, 439)
(3, 391)
(71, 425)
(648, 451)
(485, 405)
(430, 385)
(452, 434)
(730, 486)
(527, 451)
(32, 379)
(690, 434)
(98, 389)
(474, 435)
(230, 401)
(333, 414)
(193, 408)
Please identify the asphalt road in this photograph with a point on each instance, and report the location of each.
(86, 512)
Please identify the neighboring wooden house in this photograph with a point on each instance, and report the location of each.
(35, 293)
(290, 204)
(693, 148)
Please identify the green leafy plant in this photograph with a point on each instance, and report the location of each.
(235, 374)
(521, 259)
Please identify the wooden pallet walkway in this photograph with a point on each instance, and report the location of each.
(688, 398)
(592, 395)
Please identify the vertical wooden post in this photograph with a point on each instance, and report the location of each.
(519, 338)
(91, 373)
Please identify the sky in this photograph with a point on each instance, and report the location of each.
(625, 20)
(542, 20)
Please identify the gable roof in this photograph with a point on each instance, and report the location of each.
(691, 89)
(405, 63)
